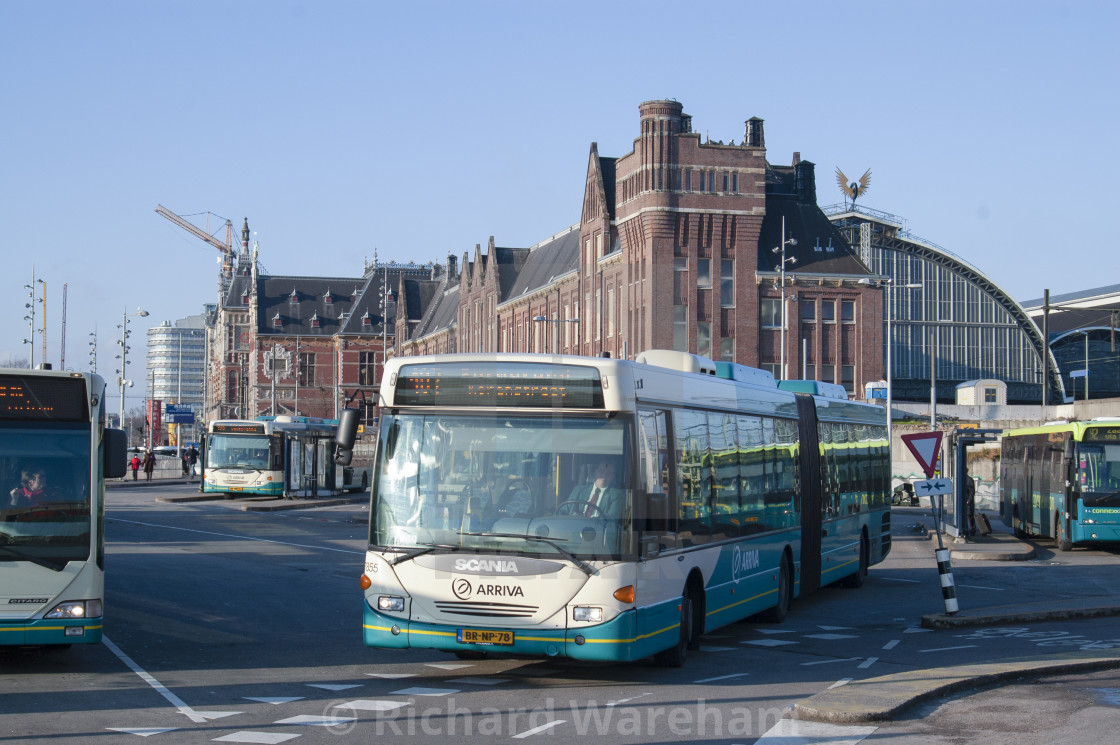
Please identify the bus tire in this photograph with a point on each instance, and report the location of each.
(1064, 544)
(856, 580)
(778, 613)
(471, 654)
(678, 653)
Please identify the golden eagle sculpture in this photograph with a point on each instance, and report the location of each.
(855, 188)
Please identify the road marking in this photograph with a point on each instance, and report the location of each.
(335, 686)
(161, 689)
(825, 662)
(897, 579)
(706, 648)
(391, 676)
(275, 701)
(233, 535)
(537, 730)
(627, 700)
(261, 738)
(949, 649)
(314, 720)
(142, 731)
(868, 662)
(424, 692)
(768, 642)
(722, 677)
(835, 628)
(371, 705)
(891, 644)
(798, 732)
(480, 681)
(831, 636)
(916, 630)
(770, 632)
(982, 587)
(449, 665)
(841, 682)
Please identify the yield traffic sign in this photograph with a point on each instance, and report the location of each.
(925, 446)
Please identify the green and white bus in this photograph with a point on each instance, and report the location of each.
(1062, 481)
(55, 454)
(281, 456)
(603, 509)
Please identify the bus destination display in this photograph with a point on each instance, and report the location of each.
(1102, 434)
(526, 384)
(239, 428)
(43, 398)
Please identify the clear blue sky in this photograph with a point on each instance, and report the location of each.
(423, 128)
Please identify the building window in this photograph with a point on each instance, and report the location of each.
(726, 348)
(294, 297)
(306, 368)
(327, 298)
(680, 328)
(990, 395)
(704, 338)
(314, 321)
(369, 415)
(808, 311)
(367, 368)
(735, 183)
(828, 373)
(848, 311)
(770, 313)
(810, 372)
(367, 320)
(848, 378)
(276, 322)
(727, 283)
(828, 311)
(704, 274)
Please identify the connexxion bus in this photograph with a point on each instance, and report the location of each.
(55, 453)
(610, 510)
(1062, 481)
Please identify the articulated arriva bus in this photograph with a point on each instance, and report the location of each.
(603, 509)
(282, 456)
(55, 453)
(1062, 481)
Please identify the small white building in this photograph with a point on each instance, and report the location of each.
(983, 392)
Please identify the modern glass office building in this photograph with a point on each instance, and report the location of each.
(177, 362)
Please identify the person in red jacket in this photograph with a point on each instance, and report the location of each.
(134, 464)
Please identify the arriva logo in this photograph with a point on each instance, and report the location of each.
(742, 562)
(485, 565)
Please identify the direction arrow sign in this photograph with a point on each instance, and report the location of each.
(925, 446)
(933, 487)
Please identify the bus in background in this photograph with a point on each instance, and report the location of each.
(612, 510)
(55, 454)
(282, 456)
(1062, 481)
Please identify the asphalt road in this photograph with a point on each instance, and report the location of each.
(237, 626)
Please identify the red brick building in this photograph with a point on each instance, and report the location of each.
(679, 246)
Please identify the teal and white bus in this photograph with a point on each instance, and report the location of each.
(55, 454)
(603, 509)
(281, 456)
(1062, 481)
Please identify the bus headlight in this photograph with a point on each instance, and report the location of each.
(390, 604)
(76, 609)
(587, 615)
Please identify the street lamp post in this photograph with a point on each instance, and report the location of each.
(122, 381)
(555, 329)
(30, 317)
(890, 343)
(781, 269)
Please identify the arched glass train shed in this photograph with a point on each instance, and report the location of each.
(974, 328)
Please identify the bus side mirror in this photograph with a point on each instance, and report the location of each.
(346, 437)
(114, 456)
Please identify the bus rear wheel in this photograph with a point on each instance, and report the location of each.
(856, 580)
(778, 613)
(1064, 544)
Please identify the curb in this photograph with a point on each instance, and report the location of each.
(1050, 611)
(881, 699)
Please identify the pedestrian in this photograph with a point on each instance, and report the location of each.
(185, 462)
(149, 464)
(135, 465)
(970, 503)
(192, 459)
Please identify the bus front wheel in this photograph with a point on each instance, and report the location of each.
(677, 654)
(1064, 543)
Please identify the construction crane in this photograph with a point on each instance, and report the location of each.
(226, 248)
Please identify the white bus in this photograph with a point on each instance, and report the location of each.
(603, 509)
(283, 456)
(55, 454)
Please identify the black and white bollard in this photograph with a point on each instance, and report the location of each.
(948, 589)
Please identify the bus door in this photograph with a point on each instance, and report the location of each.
(301, 467)
(811, 523)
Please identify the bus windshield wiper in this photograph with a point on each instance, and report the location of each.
(427, 549)
(15, 553)
(584, 566)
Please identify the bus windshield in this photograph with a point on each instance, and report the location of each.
(45, 493)
(503, 483)
(239, 451)
(1100, 470)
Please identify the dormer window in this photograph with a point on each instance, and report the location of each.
(276, 322)
(367, 320)
(327, 298)
(315, 321)
(245, 298)
(294, 297)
